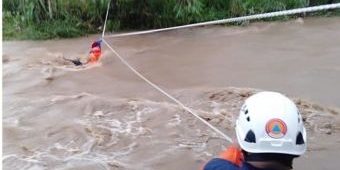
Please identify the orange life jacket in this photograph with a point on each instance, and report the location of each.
(233, 154)
(231, 158)
(95, 55)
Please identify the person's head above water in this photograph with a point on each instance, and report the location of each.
(96, 44)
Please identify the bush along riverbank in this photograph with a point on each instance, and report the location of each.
(47, 19)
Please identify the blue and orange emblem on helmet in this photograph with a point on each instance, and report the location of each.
(276, 128)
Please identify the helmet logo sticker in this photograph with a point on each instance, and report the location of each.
(276, 128)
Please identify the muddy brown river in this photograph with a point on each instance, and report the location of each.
(58, 116)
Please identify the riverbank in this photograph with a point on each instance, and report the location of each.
(39, 20)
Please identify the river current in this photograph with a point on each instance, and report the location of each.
(58, 116)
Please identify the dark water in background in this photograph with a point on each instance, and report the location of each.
(56, 116)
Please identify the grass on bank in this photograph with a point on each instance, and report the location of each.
(48, 19)
(14, 28)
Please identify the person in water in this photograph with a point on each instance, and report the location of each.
(270, 134)
(95, 54)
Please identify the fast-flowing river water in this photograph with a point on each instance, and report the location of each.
(58, 116)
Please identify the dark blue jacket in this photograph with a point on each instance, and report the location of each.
(222, 164)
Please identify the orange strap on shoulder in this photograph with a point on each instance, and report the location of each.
(233, 154)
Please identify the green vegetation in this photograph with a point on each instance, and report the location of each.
(46, 19)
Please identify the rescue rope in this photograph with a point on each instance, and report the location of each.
(166, 94)
(107, 14)
(237, 19)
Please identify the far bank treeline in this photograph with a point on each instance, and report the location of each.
(46, 19)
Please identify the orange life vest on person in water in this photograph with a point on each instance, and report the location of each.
(95, 55)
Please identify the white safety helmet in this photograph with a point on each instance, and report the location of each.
(269, 122)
